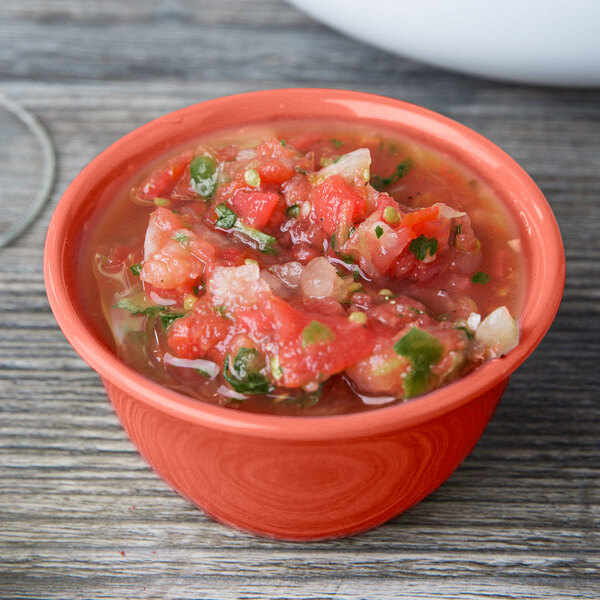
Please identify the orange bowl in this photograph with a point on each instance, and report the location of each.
(304, 478)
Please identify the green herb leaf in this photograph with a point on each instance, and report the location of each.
(378, 231)
(183, 239)
(292, 212)
(166, 318)
(481, 278)
(423, 350)
(458, 230)
(136, 269)
(465, 330)
(203, 175)
(221, 310)
(137, 309)
(316, 333)
(301, 171)
(333, 241)
(264, 241)
(282, 142)
(244, 376)
(336, 143)
(203, 373)
(422, 245)
(347, 258)
(379, 183)
(226, 218)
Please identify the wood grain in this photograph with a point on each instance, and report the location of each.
(519, 519)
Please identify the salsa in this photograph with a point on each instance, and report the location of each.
(306, 268)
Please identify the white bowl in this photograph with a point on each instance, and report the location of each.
(555, 42)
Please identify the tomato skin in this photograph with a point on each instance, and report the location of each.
(275, 171)
(254, 208)
(162, 181)
(335, 204)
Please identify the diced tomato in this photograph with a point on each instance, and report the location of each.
(335, 204)
(195, 334)
(161, 182)
(304, 364)
(254, 208)
(414, 221)
(173, 255)
(274, 171)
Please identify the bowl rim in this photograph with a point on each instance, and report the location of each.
(546, 269)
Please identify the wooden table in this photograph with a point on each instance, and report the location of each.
(82, 516)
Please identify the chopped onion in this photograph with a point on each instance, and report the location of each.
(161, 301)
(355, 164)
(318, 278)
(499, 332)
(515, 244)
(448, 211)
(246, 154)
(375, 400)
(210, 368)
(473, 321)
(236, 286)
(289, 273)
(223, 390)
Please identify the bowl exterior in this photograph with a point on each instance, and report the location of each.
(303, 490)
(303, 477)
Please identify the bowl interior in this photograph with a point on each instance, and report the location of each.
(111, 169)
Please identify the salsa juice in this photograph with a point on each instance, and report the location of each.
(304, 269)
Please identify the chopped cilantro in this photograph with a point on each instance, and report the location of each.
(333, 241)
(292, 212)
(244, 376)
(301, 171)
(167, 318)
(136, 269)
(226, 218)
(481, 278)
(264, 241)
(203, 175)
(316, 333)
(423, 351)
(282, 142)
(378, 231)
(137, 309)
(422, 246)
(183, 239)
(379, 183)
(196, 290)
(347, 258)
(458, 230)
(336, 143)
(203, 373)
(221, 310)
(465, 330)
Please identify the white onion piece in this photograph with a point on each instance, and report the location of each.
(351, 166)
(161, 301)
(277, 286)
(197, 363)
(318, 278)
(448, 211)
(229, 393)
(376, 400)
(246, 154)
(499, 332)
(236, 286)
(514, 245)
(473, 321)
(289, 273)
